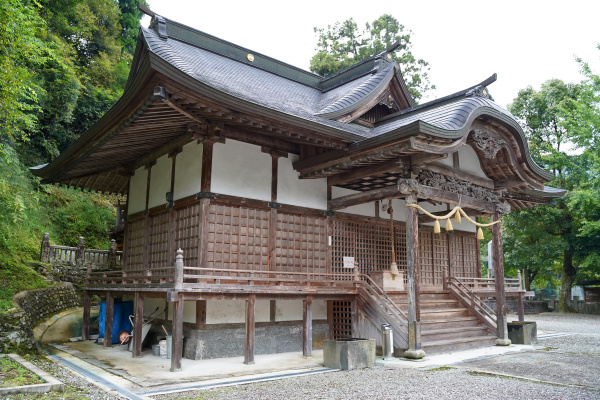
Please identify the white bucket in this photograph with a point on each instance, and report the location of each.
(163, 348)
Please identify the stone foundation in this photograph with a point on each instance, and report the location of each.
(200, 344)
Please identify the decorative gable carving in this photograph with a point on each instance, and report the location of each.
(488, 142)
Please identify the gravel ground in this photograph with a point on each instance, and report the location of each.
(383, 382)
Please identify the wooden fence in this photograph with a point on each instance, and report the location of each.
(80, 255)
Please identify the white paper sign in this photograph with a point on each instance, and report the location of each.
(348, 262)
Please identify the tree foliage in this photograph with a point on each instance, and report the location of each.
(562, 124)
(344, 44)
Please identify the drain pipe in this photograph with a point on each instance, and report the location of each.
(387, 342)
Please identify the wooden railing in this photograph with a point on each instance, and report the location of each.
(80, 255)
(469, 299)
(375, 302)
(159, 277)
(488, 285)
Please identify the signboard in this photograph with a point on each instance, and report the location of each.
(348, 262)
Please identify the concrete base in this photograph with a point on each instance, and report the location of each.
(202, 344)
(349, 354)
(503, 342)
(414, 354)
(522, 332)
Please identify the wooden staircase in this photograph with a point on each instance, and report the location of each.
(446, 324)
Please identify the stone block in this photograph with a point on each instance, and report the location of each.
(522, 332)
(349, 353)
(388, 282)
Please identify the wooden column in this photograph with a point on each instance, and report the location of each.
(138, 313)
(307, 327)
(273, 214)
(413, 279)
(172, 215)
(108, 319)
(147, 245)
(87, 305)
(502, 329)
(249, 339)
(521, 307)
(177, 340)
(205, 177)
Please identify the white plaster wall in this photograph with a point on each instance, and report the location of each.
(319, 309)
(241, 169)
(160, 181)
(464, 225)
(189, 311)
(137, 191)
(299, 192)
(366, 209)
(234, 311)
(150, 305)
(188, 170)
(468, 161)
(289, 310)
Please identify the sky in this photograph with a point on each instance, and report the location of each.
(525, 42)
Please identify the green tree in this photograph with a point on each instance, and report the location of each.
(564, 233)
(344, 44)
(20, 52)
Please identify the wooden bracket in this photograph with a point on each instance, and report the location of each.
(205, 195)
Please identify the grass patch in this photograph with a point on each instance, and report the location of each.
(14, 374)
(440, 369)
(13, 279)
(549, 348)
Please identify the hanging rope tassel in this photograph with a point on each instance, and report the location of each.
(436, 226)
(479, 234)
(449, 227)
(457, 218)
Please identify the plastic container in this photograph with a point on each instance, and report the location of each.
(156, 350)
(163, 348)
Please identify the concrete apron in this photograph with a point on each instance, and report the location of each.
(151, 371)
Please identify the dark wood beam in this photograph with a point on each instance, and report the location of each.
(307, 327)
(177, 332)
(108, 319)
(425, 158)
(259, 139)
(161, 151)
(424, 192)
(250, 330)
(364, 172)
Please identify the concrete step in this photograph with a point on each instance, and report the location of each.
(451, 345)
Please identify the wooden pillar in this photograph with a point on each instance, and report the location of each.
(307, 327)
(502, 329)
(249, 338)
(413, 280)
(205, 176)
(177, 340)
(87, 305)
(521, 307)
(108, 319)
(138, 322)
(147, 244)
(273, 214)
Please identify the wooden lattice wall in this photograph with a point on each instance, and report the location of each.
(301, 243)
(136, 238)
(341, 319)
(238, 238)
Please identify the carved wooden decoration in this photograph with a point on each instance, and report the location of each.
(439, 181)
(488, 142)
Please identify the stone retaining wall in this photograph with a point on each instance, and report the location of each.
(16, 329)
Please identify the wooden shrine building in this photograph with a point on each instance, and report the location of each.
(293, 200)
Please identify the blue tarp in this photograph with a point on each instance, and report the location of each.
(121, 313)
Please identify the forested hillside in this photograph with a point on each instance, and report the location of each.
(63, 63)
